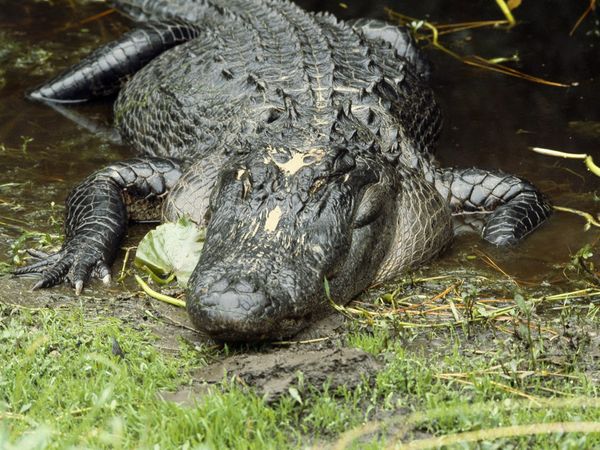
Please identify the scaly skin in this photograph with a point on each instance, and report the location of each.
(104, 71)
(516, 207)
(306, 149)
(96, 219)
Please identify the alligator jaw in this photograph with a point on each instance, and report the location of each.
(240, 312)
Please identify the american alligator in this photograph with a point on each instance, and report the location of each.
(303, 143)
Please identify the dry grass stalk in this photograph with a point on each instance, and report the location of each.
(476, 61)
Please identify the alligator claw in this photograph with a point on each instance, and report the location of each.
(38, 285)
(67, 264)
(37, 254)
(37, 267)
(53, 270)
(102, 271)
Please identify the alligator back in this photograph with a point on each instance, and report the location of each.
(269, 68)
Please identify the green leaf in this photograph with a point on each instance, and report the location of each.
(295, 394)
(327, 290)
(172, 248)
(483, 312)
(523, 305)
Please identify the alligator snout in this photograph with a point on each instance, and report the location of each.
(271, 242)
(235, 309)
(231, 301)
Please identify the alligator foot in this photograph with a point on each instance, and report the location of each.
(515, 207)
(73, 264)
(96, 220)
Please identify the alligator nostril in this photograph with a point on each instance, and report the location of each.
(244, 286)
(225, 284)
(219, 286)
(231, 301)
(226, 297)
(232, 307)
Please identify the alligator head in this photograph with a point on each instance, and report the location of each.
(281, 223)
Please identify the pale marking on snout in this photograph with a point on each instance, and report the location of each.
(297, 161)
(273, 219)
(346, 89)
(241, 175)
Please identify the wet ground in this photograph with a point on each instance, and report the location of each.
(490, 121)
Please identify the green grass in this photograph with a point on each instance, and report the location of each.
(61, 386)
(487, 378)
(62, 383)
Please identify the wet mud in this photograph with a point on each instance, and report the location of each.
(274, 372)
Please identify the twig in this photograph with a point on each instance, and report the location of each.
(591, 220)
(443, 293)
(124, 266)
(406, 423)
(587, 159)
(588, 292)
(447, 315)
(476, 61)
(157, 295)
(308, 341)
(178, 324)
(93, 18)
(516, 392)
(98, 16)
(503, 432)
(490, 262)
(507, 13)
(588, 10)
(483, 63)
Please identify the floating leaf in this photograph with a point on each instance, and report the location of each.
(172, 248)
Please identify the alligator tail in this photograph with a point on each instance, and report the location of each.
(103, 72)
(146, 10)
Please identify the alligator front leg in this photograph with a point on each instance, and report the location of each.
(103, 72)
(96, 220)
(516, 207)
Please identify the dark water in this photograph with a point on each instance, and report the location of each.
(490, 119)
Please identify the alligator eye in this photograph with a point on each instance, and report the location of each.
(207, 215)
(344, 163)
(371, 206)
